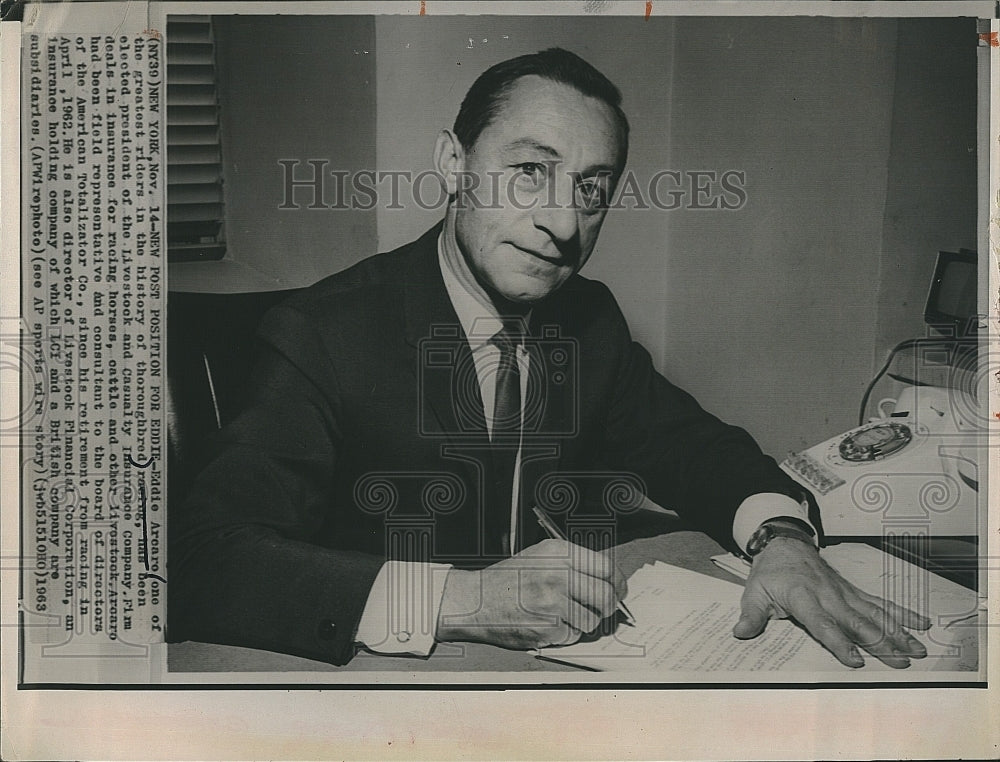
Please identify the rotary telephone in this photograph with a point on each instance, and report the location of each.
(913, 468)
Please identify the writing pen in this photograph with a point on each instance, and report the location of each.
(557, 534)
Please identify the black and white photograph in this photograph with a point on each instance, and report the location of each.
(529, 354)
(488, 433)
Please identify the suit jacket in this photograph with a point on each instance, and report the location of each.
(364, 439)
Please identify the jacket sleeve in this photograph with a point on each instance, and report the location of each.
(689, 460)
(242, 567)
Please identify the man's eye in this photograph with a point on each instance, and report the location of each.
(530, 170)
(593, 195)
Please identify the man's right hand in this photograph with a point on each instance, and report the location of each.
(548, 594)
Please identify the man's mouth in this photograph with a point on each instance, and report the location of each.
(555, 261)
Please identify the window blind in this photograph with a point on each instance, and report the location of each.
(195, 228)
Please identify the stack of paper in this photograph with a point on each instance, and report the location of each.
(684, 622)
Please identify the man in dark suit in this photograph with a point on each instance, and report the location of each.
(408, 414)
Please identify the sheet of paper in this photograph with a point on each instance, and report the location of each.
(684, 624)
(901, 582)
(732, 564)
(888, 577)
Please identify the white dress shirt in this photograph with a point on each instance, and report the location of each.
(401, 612)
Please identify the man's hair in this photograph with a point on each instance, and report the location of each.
(489, 92)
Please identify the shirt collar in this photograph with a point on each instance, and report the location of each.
(476, 313)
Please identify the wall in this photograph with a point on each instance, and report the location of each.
(772, 309)
(299, 87)
(931, 190)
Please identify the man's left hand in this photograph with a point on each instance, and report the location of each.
(789, 579)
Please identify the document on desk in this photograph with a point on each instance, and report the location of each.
(888, 577)
(684, 624)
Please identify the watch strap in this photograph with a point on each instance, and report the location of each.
(782, 526)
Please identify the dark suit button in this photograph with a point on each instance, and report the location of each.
(327, 629)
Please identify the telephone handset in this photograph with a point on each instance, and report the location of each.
(911, 469)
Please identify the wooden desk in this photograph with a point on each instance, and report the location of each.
(690, 550)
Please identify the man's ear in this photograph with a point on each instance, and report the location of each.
(449, 160)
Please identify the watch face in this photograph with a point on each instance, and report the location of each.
(759, 539)
(767, 532)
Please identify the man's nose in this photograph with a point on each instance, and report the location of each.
(557, 212)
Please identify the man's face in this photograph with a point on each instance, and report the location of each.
(546, 167)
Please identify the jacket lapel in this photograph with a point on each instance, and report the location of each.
(451, 413)
(450, 398)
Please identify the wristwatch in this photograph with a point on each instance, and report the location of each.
(784, 526)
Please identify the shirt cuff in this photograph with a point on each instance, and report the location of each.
(757, 509)
(401, 613)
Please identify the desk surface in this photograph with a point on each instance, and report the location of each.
(690, 550)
